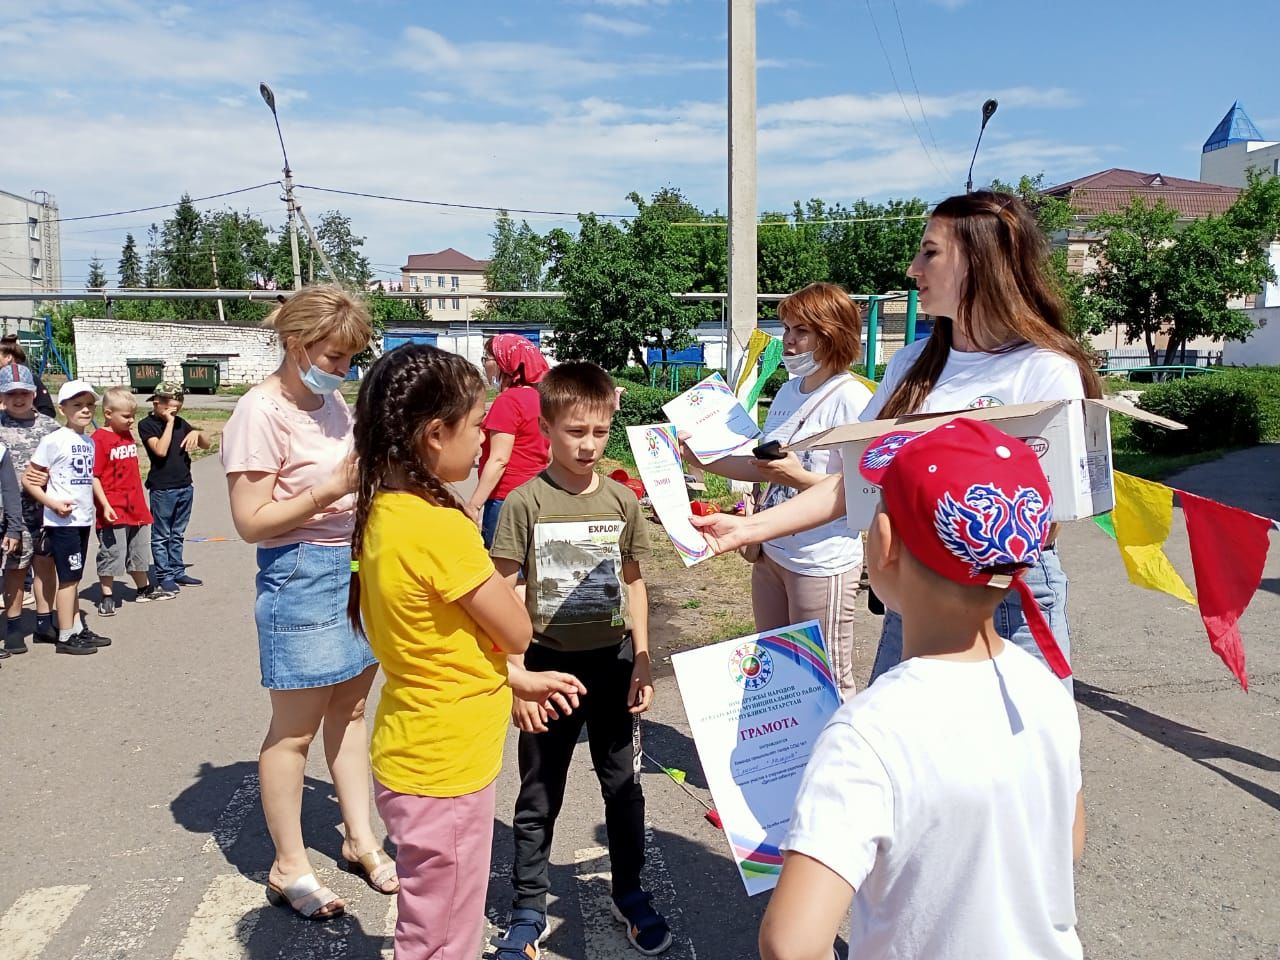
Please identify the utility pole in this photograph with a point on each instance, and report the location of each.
(222, 317)
(269, 99)
(742, 181)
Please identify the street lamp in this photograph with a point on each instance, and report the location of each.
(988, 111)
(269, 99)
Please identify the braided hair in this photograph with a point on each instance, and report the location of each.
(404, 391)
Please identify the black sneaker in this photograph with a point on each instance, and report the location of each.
(15, 644)
(47, 635)
(107, 606)
(526, 929)
(188, 581)
(97, 639)
(77, 644)
(646, 929)
(152, 592)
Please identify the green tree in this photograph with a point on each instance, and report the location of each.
(183, 265)
(97, 276)
(618, 282)
(1158, 280)
(789, 255)
(130, 267)
(871, 244)
(518, 262)
(151, 272)
(342, 246)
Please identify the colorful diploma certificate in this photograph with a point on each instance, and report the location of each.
(756, 706)
(717, 424)
(657, 456)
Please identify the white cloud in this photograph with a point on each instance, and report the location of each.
(624, 28)
(792, 17)
(631, 4)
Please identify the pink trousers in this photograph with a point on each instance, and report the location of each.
(443, 848)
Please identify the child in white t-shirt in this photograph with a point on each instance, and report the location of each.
(944, 801)
(67, 456)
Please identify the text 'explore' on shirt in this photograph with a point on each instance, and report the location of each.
(969, 380)
(68, 456)
(945, 795)
(830, 549)
(572, 547)
(173, 470)
(445, 706)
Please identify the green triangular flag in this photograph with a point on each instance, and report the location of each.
(1103, 520)
(676, 775)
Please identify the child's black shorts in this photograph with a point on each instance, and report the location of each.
(69, 547)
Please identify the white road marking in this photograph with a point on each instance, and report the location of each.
(231, 820)
(35, 918)
(129, 919)
(389, 931)
(225, 919)
(605, 937)
(330, 940)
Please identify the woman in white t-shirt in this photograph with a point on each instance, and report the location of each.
(999, 339)
(812, 575)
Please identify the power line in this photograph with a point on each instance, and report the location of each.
(461, 206)
(158, 206)
(919, 101)
(894, 77)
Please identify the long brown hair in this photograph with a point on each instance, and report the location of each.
(402, 393)
(1007, 288)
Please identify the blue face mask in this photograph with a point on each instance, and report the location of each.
(318, 381)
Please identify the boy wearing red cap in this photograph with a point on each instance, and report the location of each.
(944, 800)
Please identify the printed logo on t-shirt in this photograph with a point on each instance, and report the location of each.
(81, 465)
(579, 572)
(75, 561)
(982, 402)
(126, 451)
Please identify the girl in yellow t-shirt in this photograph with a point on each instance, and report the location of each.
(441, 623)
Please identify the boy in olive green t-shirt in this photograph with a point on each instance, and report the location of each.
(579, 538)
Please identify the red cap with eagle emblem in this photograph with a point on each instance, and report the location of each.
(971, 503)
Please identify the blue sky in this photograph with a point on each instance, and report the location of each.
(567, 106)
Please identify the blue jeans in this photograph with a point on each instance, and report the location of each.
(489, 521)
(170, 513)
(1048, 585)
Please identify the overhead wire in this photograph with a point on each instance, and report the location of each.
(158, 206)
(919, 100)
(896, 86)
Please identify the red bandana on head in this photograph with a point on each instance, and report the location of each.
(517, 357)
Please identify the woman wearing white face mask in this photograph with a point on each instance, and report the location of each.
(812, 575)
(286, 451)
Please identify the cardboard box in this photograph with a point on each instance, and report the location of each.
(1071, 437)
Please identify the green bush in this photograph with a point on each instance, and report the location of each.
(640, 404)
(1235, 409)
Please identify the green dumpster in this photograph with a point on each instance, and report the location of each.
(201, 376)
(144, 374)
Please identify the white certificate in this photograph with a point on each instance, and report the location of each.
(657, 455)
(756, 706)
(717, 424)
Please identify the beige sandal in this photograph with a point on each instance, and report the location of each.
(308, 898)
(377, 869)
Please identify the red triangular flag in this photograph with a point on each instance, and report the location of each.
(1228, 551)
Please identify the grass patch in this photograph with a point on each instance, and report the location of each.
(1127, 458)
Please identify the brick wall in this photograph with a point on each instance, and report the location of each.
(103, 346)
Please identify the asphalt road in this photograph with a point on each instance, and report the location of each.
(132, 829)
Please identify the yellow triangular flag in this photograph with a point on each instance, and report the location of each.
(1142, 518)
(755, 346)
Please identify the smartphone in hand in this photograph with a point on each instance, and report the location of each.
(769, 451)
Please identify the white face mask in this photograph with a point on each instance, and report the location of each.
(801, 365)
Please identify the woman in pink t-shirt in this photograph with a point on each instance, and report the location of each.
(287, 454)
(514, 448)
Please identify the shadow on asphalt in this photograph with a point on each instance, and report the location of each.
(1270, 584)
(1191, 743)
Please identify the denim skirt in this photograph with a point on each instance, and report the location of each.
(304, 637)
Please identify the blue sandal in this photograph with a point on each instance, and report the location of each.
(646, 928)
